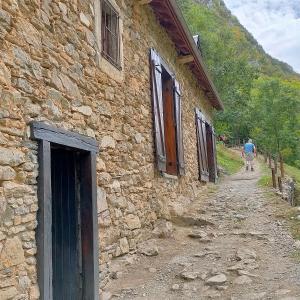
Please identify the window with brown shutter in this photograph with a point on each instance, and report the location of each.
(110, 34)
(211, 152)
(166, 98)
(201, 146)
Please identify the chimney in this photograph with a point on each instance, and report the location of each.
(198, 42)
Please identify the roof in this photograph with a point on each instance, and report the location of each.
(171, 18)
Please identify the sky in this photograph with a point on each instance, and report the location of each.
(275, 24)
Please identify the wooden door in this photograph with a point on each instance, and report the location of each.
(66, 250)
(211, 153)
(170, 126)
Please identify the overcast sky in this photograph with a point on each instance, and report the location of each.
(274, 23)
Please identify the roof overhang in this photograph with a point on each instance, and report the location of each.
(171, 18)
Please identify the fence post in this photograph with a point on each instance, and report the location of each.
(279, 184)
(281, 166)
(273, 178)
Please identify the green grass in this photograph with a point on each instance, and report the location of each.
(265, 179)
(228, 159)
(293, 172)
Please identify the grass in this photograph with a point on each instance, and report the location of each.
(296, 255)
(228, 159)
(265, 179)
(293, 172)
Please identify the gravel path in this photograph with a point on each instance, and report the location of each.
(243, 253)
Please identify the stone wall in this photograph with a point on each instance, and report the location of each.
(49, 72)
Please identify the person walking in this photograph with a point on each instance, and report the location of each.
(249, 152)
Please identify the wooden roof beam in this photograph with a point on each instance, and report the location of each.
(144, 2)
(185, 59)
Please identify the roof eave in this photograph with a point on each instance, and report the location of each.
(198, 67)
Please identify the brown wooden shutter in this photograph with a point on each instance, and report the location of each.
(215, 153)
(158, 115)
(201, 146)
(211, 152)
(179, 135)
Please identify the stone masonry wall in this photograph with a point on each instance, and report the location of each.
(49, 72)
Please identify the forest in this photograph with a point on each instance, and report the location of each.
(261, 94)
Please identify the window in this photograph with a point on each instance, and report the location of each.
(166, 99)
(206, 148)
(110, 34)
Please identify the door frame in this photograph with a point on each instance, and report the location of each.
(46, 135)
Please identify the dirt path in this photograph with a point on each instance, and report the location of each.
(244, 254)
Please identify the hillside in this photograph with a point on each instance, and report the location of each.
(258, 90)
(220, 17)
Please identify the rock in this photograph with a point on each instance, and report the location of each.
(133, 222)
(124, 246)
(84, 20)
(251, 296)
(243, 272)
(7, 173)
(8, 294)
(11, 157)
(297, 245)
(63, 8)
(107, 142)
(244, 253)
(217, 280)
(12, 189)
(5, 19)
(12, 253)
(175, 287)
(198, 234)
(139, 138)
(24, 85)
(189, 275)
(117, 201)
(24, 282)
(34, 293)
(212, 294)
(101, 200)
(241, 280)
(148, 248)
(152, 270)
(192, 220)
(105, 296)
(282, 292)
(85, 110)
(163, 229)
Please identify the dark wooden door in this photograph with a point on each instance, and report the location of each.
(66, 254)
(170, 126)
(211, 153)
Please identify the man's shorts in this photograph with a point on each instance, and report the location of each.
(249, 156)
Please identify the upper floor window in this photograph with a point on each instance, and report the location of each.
(110, 34)
(166, 100)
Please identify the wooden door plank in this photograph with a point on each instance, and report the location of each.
(170, 127)
(89, 227)
(44, 233)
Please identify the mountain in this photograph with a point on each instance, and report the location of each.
(216, 13)
(261, 94)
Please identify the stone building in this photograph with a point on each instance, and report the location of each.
(98, 139)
